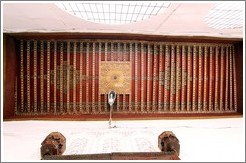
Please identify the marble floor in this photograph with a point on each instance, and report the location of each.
(200, 139)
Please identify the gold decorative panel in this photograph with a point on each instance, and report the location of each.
(115, 76)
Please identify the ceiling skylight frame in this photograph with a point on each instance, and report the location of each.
(114, 12)
(226, 15)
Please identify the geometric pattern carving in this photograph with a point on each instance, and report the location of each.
(115, 76)
(66, 68)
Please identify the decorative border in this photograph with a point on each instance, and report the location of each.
(99, 63)
(205, 79)
(172, 77)
(160, 78)
(222, 79)
(234, 77)
(28, 78)
(22, 74)
(142, 75)
(194, 79)
(74, 75)
(154, 78)
(136, 76)
(184, 80)
(55, 76)
(178, 78)
(81, 74)
(227, 80)
(210, 97)
(42, 77)
(87, 74)
(231, 83)
(216, 104)
(148, 78)
(93, 77)
(61, 78)
(48, 76)
(200, 80)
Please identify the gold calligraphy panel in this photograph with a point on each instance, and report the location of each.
(115, 76)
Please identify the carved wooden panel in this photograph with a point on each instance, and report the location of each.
(75, 76)
(115, 76)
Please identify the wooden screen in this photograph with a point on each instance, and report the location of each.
(64, 77)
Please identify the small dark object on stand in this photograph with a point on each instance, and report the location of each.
(53, 144)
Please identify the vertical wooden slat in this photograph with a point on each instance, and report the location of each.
(142, 78)
(105, 102)
(42, 77)
(154, 78)
(106, 51)
(81, 76)
(118, 101)
(61, 78)
(68, 76)
(231, 82)
(227, 78)
(148, 77)
(184, 80)
(234, 79)
(136, 76)
(167, 79)
(194, 93)
(222, 78)
(87, 75)
(16, 107)
(178, 78)
(105, 96)
(205, 99)
(124, 59)
(99, 63)
(55, 75)
(189, 79)
(200, 79)
(211, 80)
(22, 75)
(173, 79)
(118, 59)
(112, 52)
(35, 77)
(74, 75)
(160, 77)
(216, 96)
(124, 52)
(131, 67)
(93, 78)
(48, 76)
(28, 77)
(118, 52)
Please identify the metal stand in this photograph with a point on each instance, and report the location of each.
(110, 117)
(111, 99)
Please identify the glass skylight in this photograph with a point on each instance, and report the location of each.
(114, 12)
(226, 15)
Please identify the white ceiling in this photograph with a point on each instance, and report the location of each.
(179, 19)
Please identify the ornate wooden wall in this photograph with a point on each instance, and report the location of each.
(73, 77)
